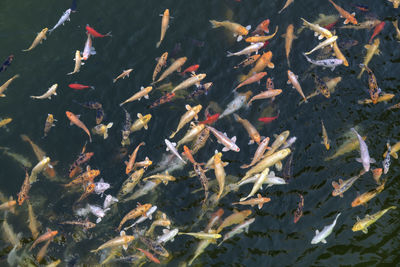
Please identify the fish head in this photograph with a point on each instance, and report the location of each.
(44, 31)
(357, 227)
(356, 202)
(70, 115)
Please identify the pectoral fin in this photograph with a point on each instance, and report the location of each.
(323, 241)
(365, 231)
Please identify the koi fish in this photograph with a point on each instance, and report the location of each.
(6, 63)
(162, 61)
(259, 200)
(141, 122)
(244, 226)
(82, 158)
(299, 211)
(319, 31)
(258, 154)
(253, 79)
(292, 79)
(194, 80)
(210, 119)
(51, 91)
(364, 198)
(327, 42)
(88, 50)
(43, 164)
(236, 218)
(94, 33)
(289, 36)
(126, 130)
(74, 119)
(271, 93)
(374, 90)
(219, 173)
(124, 74)
(85, 224)
(191, 133)
(192, 69)
(368, 24)
(49, 123)
(229, 143)
(164, 26)
(78, 86)
(46, 236)
(288, 2)
(4, 87)
(200, 140)
(149, 255)
(386, 161)
(162, 100)
(248, 61)
(237, 103)
(251, 130)
(365, 158)
(263, 62)
(339, 55)
(396, 3)
(268, 119)
(331, 63)
(133, 214)
(38, 40)
(253, 48)
(62, 20)
(201, 89)
(395, 25)
(171, 147)
(144, 92)
(320, 236)
(235, 28)
(263, 38)
(5, 121)
(85, 178)
(78, 62)
(163, 177)
(130, 183)
(171, 69)
(262, 27)
(325, 139)
(122, 240)
(102, 129)
(362, 225)
(343, 13)
(203, 236)
(89, 189)
(187, 117)
(343, 186)
(129, 164)
(9, 205)
(377, 30)
(372, 49)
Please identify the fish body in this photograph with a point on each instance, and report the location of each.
(319, 31)
(299, 211)
(321, 86)
(191, 69)
(10, 236)
(149, 255)
(50, 92)
(377, 30)
(372, 49)
(327, 42)
(38, 40)
(78, 62)
(210, 119)
(365, 158)
(97, 211)
(325, 140)
(33, 223)
(124, 74)
(155, 246)
(38, 168)
(243, 227)
(258, 184)
(287, 3)
(200, 90)
(141, 122)
(258, 201)
(262, 38)
(101, 187)
(237, 103)
(164, 99)
(203, 244)
(122, 240)
(396, 27)
(85, 224)
(74, 119)
(164, 26)
(235, 28)
(130, 183)
(251, 130)
(364, 198)
(171, 147)
(4, 87)
(17, 157)
(84, 178)
(44, 237)
(289, 41)
(144, 92)
(253, 48)
(320, 236)
(201, 140)
(24, 192)
(343, 13)
(253, 79)
(49, 123)
(262, 27)
(94, 33)
(62, 20)
(162, 61)
(265, 94)
(6, 63)
(229, 143)
(163, 177)
(219, 173)
(396, 3)
(363, 224)
(331, 63)
(236, 218)
(267, 162)
(82, 158)
(187, 117)
(102, 129)
(374, 90)
(248, 61)
(279, 140)
(203, 236)
(258, 154)
(5, 121)
(129, 164)
(167, 236)
(292, 79)
(194, 80)
(88, 50)
(263, 62)
(191, 134)
(133, 214)
(343, 186)
(386, 161)
(171, 69)
(9, 205)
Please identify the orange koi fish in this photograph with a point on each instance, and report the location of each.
(26, 186)
(75, 120)
(132, 158)
(46, 236)
(343, 13)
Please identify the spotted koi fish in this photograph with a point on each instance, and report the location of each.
(84, 178)
(26, 186)
(299, 211)
(374, 90)
(82, 158)
(49, 123)
(164, 99)
(202, 89)
(6, 63)
(321, 86)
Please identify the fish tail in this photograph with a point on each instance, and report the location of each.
(229, 54)
(92, 87)
(108, 34)
(215, 24)
(158, 44)
(172, 135)
(114, 80)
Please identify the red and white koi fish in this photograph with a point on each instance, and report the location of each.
(229, 143)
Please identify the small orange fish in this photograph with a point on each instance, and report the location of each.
(88, 190)
(149, 255)
(262, 27)
(349, 17)
(75, 120)
(136, 212)
(189, 155)
(364, 198)
(26, 186)
(46, 236)
(85, 177)
(132, 158)
(254, 201)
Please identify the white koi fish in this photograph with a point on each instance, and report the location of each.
(229, 143)
(167, 236)
(62, 20)
(320, 236)
(171, 147)
(365, 158)
(253, 48)
(89, 49)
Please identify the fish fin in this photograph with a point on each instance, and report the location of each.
(340, 181)
(271, 65)
(110, 125)
(335, 185)
(358, 219)
(316, 232)
(365, 231)
(345, 21)
(98, 220)
(229, 54)
(2, 95)
(395, 155)
(323, 241)
(359, 160)
(188, 107)
(125, 246)
(225, 149)
(92, 51)
(341, 195)
(372, 160)
(240, 38)
(233, 139)
(248, 27)
(260, 205)
(251, 142)
(146, 96)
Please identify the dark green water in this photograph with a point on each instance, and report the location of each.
(273, 240)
